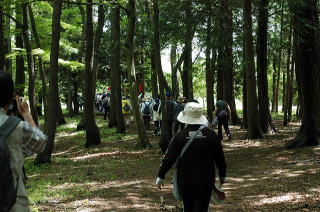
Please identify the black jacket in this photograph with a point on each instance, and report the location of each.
(196, 168)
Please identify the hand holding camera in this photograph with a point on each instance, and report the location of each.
(23, 109)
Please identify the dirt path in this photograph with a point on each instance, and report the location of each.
(114, 176)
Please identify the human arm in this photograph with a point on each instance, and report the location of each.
(169, 159)
(215, 112)
(33, 140)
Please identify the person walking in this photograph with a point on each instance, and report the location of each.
(18, 139)
(223, 114)
(146, 111)
(178, 107)
(169, 118)
(156, 115)
(196, 168)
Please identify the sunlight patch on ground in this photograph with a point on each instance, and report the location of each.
(289, 197)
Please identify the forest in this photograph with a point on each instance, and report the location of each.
(262, 57)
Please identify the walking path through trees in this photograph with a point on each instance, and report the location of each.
(114, 176)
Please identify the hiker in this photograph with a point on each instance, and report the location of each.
(223, 114)
(106, 105)
(179, 106)
(126, 110)
(146, 111)
(195, 169)
(169, 118)
(156, 115)
(18, 139)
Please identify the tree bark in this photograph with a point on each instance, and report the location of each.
(209, 69)
(20, 74)
(97, 41)
(92, 130)
(227, 74)
(279, 60)
(254, 124)
(174, 71)
(262, 68)
(2, 45)
(53, 92)
(187, 64)
(115, 68)
(143, 141)
(289, 82)
(41, 71)
(31, 70)
(307, 60)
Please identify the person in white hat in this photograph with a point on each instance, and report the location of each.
(196, 166)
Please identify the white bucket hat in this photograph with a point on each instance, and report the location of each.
(192, 114)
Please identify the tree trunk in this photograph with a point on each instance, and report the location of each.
(274, 83)
(262, 68)
(254, 124)
(279, 60)
(20, 74)
(143, 140)
(31, 70)
(53, 92)
(116, 69)
(92, 130)
(289, 82)
(70, 94)
(187, 64)
(97, 41)
(307, 60)
(209, 70)
(227, 74)
(2, 46)
(174, 71)
(41, 71)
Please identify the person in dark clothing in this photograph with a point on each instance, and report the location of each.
(179, 106)
(169, 118)
(196, 168)
(223, 114)
(106, 105)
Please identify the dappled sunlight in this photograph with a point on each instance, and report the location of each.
(289, 197)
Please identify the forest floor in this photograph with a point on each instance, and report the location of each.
(114, 176)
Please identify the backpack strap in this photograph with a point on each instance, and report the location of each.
(7, 127)
(190, 141)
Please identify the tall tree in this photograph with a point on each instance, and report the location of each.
(2, 45)
(92, 130)
(20, 70)
(115, 67)
(209, 69)
(187, 81)
(40, 65)
(287, 86)
(53, 91)
(277, 88)
(228, 88)
(254, 124)
(164, 142)
(262, 67)
(143, 140)
(307, 60)
(30, 62)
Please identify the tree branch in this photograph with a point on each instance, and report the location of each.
(15, 20)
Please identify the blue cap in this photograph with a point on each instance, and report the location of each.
(168, 94)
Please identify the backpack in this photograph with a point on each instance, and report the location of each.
(156, 105)
(125, 107)
(146, 109)
(8, 192)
